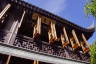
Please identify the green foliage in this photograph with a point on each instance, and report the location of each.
(93, 53)
(90, 8)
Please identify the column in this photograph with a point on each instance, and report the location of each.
(65, 34)
(5, 10)
(37, 28)
(14, 29)
(36, 62)
(22, 18)
(72, 42)
(52, 33)
(84, 48)
(84, 38)
(75, 37)
(8, 60)
(85, 45)
(64, 38)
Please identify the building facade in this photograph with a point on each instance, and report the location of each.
(31, 35)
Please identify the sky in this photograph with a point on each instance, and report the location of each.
(72, 10)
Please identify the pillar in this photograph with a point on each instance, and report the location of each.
(8, 60)
(84, 38)
(36, 62)
(52, 33)
(65, 33)
(75, 37)
(85, 45)
(37, 28)
(5, 10)
(64, 38)
(14, 29)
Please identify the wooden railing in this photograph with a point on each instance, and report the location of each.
(46, 48)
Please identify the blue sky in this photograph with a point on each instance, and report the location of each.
(72, 10)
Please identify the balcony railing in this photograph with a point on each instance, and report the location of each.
(45, 48)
